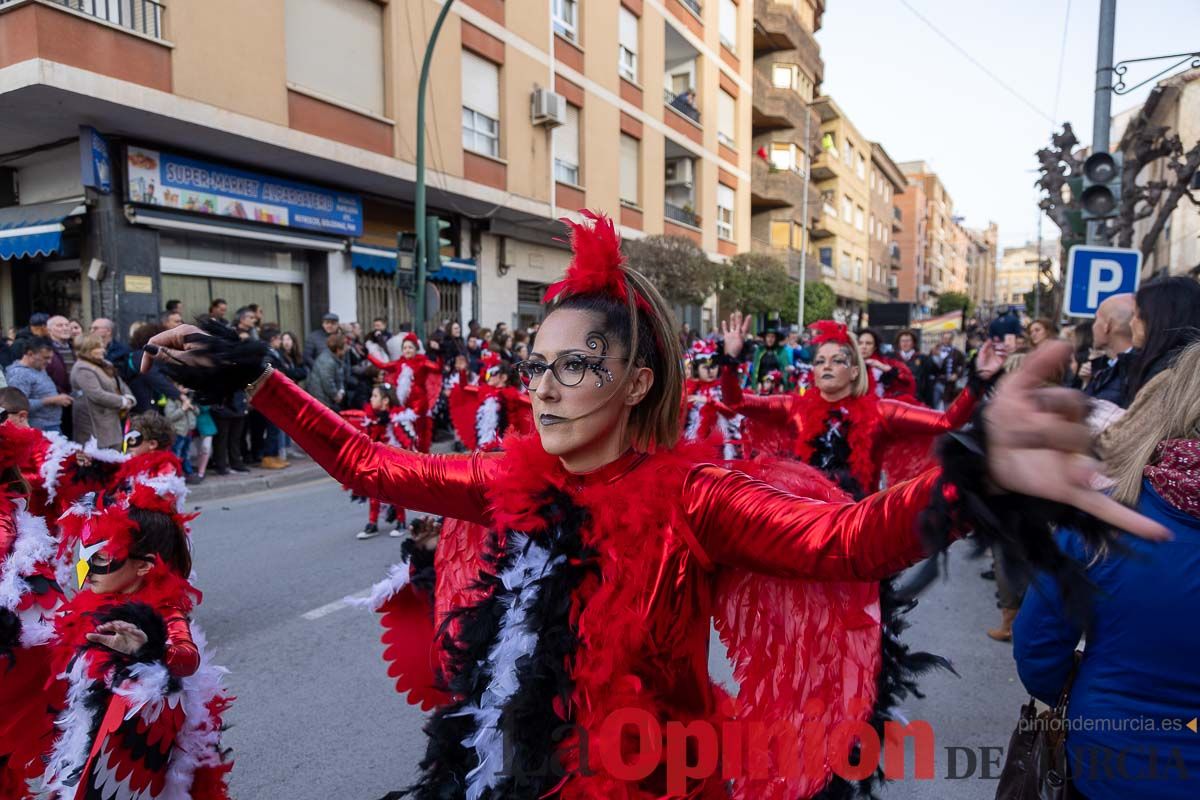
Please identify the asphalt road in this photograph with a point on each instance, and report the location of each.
(317, 718)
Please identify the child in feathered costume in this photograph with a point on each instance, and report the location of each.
(484, 411)
(705, 415)
(416, 380)
(383, 419)
(141, 703)
(609, 551)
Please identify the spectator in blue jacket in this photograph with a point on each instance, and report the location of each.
(1138, 684)
(28, 373)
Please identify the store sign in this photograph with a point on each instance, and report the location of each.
(171, 181)
(95, 167)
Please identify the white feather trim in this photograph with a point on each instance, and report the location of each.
(693, 422)
(404, 382)
(198, 743)
(32, 546)
(384, 590)
(487, 420)
(405, 419)
(169, 485)
(516, 640)
(74, 722)
(98, 453)
(51, 469)
(731, 435)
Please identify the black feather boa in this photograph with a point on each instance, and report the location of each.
(1017, 527)
(10, 635)
(529, 720)
(227, 363)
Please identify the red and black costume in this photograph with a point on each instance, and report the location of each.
(394, 427)
(853, 440)
(705, 415)
(483, 414)
(417, 382)
(897, 383)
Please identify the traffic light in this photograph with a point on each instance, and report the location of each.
(436, 238)
(1101, 196)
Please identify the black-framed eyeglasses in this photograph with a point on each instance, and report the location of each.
(569, 370)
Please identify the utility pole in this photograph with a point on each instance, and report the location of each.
(1102, 109)
(804, 214)
(419, 309)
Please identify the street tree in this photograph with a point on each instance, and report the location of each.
(676, 265)
(758, 284)
(819, 302)
(953, 301)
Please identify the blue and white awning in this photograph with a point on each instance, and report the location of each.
(383, 260)
(34, 230)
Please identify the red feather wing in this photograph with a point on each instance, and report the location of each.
(806, 655)
(408, 646)
(27, 729)
(907, 457)
(131, 753)
(464, 403)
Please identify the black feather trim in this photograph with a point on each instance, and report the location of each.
(1017, 527)
(422, 574)
(10, 635)
(528, 721)
(831, 452)
(230, 363)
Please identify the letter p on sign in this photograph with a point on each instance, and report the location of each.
(1095, 274)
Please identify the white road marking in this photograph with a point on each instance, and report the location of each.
(336, 605)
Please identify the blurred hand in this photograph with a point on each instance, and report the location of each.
(172, 346)
(879, 365)
(990, 359)
(63, 400)
(1085, 371)
(734, 333)
(124, 637)
(1038, 443)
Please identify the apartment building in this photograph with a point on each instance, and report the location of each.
(937, 262)
(1017, 272)
(883, 225)
(788, 71)
(982, 255)
(265, 152)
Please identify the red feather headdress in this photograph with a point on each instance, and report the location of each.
(17, 444)
(489, 362)
(596, 267)
(826, 330)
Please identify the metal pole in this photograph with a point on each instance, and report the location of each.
(1102, 109)
(419, 199)
(1037, 275)
(804, 214)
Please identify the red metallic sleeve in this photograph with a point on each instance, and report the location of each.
(774, 408)
(905, 418)
(183, 657)
(451, 486)
(742, 522)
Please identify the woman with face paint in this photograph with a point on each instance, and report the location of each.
(591, 597)
(841, 427)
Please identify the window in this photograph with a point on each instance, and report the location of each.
(725, 206)
(858, 217)
(847, 208)
(783, 76)
(630, 169)
(872, 179)
(566, 148)
(781, 235)
(727, 24)
(825, 255)
(845, 268)
(849, 156)
(335, 48)
(481, 105)
(726, 118)
(627, 48)
(871, 226)
(858, 273)
(871, 273)
(783, 155)
(861, 168)
(566, 15)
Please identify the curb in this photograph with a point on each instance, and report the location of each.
(226, 487)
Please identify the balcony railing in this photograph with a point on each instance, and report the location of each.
(683, 215)
(680, 103)
(139, 16)
(694, 5)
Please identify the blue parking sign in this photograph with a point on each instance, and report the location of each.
(1095, 274)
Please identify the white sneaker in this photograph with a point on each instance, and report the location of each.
(399, 532)
(369, 532)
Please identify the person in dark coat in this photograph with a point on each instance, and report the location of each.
(1105, 377)
(1166, 319)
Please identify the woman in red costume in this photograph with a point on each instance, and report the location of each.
(841, 427)
(594, 590)
(484, 412)
(890, 377)
(411, 377)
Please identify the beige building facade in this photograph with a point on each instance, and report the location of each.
(942, 260)
(883, 225)
(1017, 271)
(982, 255)
(640, 108)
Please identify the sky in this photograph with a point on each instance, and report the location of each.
(906, 87)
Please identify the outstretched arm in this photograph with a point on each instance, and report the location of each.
(772, 408)
(447, 485)
(906, 419)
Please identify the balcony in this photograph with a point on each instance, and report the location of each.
(694, 5)
(680, 214)
(897, 220)
(772, 187)
(681, 103)
(778, 109)
(823, 228)
(144, 17)
(777, 26)
(894, 256)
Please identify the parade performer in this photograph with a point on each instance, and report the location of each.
(593, 591)
(841, 427)
(416, 380)
(705, 415)
(484, 411)
(141, 703)
(890, 377)
(383, 419)
(30, 596)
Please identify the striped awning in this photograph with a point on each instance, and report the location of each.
(35, 230)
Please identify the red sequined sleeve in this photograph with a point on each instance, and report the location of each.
(905, 418)
(742, 522)
(183, 657)
(451, 486)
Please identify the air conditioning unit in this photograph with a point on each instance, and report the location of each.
(549, 108)
(679, 172)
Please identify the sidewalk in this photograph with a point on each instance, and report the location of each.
(302, 470)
